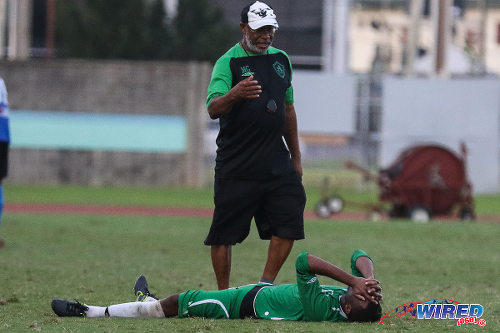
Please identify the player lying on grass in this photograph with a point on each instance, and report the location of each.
(307, 300)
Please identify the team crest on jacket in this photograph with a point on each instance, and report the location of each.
(279, 69)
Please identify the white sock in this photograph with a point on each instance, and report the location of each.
(149, 299)
(95, 311)
(136, 310)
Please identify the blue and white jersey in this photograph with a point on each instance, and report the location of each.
(4, 113)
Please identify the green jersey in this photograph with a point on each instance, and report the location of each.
(222, 77)
(307, 300)
(250, 141)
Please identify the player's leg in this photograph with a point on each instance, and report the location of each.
(221, 263)
(280, 219)
(150, 308)
(279, 249)
(1, 200)
(235, 203)
(4, 158)
(154, 309)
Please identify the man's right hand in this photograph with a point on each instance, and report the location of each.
(247, 88)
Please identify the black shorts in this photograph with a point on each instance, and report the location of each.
(277, 206)
(4, 159)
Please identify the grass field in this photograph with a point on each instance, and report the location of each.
(96, 258)
(182, 197)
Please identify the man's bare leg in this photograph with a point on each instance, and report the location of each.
(279, 249)
(170, 305)
(221, 262)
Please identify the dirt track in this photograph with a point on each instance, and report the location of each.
(171, 211)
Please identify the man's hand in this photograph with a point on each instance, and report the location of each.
(367, 289)
(247, 88)
(298, 166)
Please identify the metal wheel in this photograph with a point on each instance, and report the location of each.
(420, 214)
(375, 216)
(335, 204)
(466, 214)
(322, 210)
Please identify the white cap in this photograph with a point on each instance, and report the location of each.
(259, 15)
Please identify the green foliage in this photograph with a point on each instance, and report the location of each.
(133, 29)
(199, 33)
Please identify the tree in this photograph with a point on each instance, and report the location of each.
(200, 31)
(110, 29)
(138, 29)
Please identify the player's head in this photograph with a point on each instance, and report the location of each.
(360, 311)
(258, 25)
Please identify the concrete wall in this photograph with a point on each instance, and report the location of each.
(115, 87)
(325, 103)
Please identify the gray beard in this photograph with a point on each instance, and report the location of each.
(251, 46)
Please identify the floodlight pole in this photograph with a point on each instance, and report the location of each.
(334, 36)
(416, 7)
(442, 37)
(3, 8)
(482, 35)
(19, 29)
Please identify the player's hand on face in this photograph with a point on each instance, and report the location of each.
(367, 289)
(376, 292)
(247, 88)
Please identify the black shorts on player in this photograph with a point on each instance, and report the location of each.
(4, 159)
(277, 206)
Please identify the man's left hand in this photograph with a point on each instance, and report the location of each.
(367, 289)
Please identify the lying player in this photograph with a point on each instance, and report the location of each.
(307, 300)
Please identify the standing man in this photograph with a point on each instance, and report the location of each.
(256, 176)
(4, 142)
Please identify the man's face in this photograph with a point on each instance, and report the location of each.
(259, 40)
(353, 304)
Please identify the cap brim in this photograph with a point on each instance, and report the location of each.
(261, 23)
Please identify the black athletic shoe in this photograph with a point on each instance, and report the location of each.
(64, 308)
(141, 290)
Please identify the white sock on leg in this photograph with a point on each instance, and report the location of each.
(150, 309)
(150, 299)
(95, 311)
